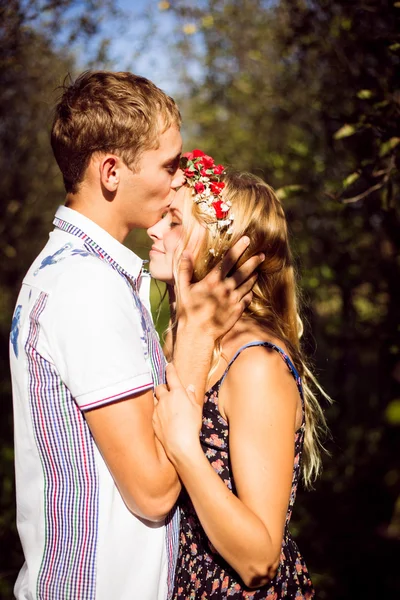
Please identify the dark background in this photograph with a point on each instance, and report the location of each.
(304, 94)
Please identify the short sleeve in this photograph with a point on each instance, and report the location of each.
(95, 335)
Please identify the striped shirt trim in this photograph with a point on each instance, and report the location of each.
(135, 390)
(90, 245)
(172, 523)
(68, 566)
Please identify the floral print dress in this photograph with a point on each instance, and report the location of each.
(201, 573)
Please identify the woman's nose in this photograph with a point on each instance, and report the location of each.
(153, 232)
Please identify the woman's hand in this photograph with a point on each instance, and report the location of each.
(177, 417)
(208, 309)
(214, 304)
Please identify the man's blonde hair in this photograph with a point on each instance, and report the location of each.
(105, 112)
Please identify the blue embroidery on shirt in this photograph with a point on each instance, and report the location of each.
(55, 258)
(15, 328)
(81, 252)
(52, 259)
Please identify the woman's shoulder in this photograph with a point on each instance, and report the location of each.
(260, 371)
(259, 360)
(254, 346)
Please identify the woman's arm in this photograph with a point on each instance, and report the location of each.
(260, 400)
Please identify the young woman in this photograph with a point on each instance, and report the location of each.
(241, 454)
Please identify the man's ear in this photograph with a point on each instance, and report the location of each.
(110, 172)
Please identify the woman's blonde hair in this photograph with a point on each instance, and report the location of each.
(258, 214)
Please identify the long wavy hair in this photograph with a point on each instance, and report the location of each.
(258, 214)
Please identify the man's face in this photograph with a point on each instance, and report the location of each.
(149, 190)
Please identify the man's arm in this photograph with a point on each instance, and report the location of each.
(146, 479)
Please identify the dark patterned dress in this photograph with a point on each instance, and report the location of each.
(201, 572)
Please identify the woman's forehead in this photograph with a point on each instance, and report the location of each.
(180, 198)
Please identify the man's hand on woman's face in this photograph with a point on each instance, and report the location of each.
(213, 305)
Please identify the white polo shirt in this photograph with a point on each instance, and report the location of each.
(81, 337)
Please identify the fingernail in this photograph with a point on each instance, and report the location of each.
(246, 240)
(262, 256)
(191, 388)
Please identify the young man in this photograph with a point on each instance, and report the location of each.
(93, 482)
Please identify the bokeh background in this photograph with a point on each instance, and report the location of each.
(303, 93)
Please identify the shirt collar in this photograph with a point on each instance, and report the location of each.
(111, 249)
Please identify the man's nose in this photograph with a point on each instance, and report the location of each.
(178, 180)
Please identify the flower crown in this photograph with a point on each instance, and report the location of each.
(204, 177)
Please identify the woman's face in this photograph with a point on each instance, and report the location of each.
(168, 236)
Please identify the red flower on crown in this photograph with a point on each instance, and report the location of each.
(220, 212)
(217, 187)
(207, 161)
(194, 154)
(204, 177)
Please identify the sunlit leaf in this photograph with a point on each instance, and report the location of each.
(285, 191)
(350, 179)
(392, 412)
(386, 147)
(344, 131)
(299, 147)
(254, 54)
(207, 21)
(364, 94)
(189, 28)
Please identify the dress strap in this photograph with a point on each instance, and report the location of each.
(280, 351)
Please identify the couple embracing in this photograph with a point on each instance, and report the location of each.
(136, 480)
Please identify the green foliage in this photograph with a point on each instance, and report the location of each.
(305, 94)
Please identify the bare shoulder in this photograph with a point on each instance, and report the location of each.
(260, 379)
(261, 363)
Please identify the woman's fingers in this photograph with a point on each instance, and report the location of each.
(173, 383)
(246, 300)
(160, 391)
(185, 271)
(243, 289)
(243, 273)
(173, 380)
(231, 257)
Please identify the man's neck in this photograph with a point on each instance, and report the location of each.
(101, 214)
